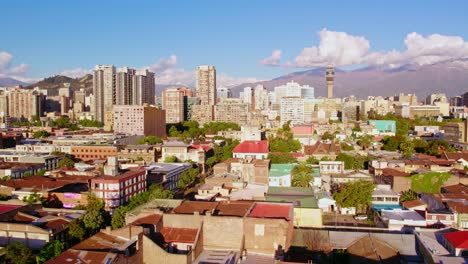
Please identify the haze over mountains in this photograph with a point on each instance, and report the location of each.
(450, 77)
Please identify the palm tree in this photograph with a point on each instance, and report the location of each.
(302, 179)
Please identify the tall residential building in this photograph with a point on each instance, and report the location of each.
(141, 120)
(206, 84)
(206, 92)
(103, 91)
(438, 97)
(232, 110)
(465, 99)
(134, 87)
(144, 87)
(456, 101)
(262, 101)
(330, 77)
(294, 89)
(247, 95)
(223, 93)
(22, 104)
(174, 102)
(124, 81)
(292, 109)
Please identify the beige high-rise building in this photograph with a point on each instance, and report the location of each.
(206, 84)
(104, 92)
(206, 92)
(23, 104)
(174, 102)
(141, 120)
(232, 110)
(125, 86)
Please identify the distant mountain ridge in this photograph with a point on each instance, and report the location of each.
(5, 82)
(450, 77)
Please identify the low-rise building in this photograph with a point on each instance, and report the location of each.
(166, 174)
(94, 152)
(280, 175)
(147, 153)
(250, 171)
(117, 190)
(253, 149)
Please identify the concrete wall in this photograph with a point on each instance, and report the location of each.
(182, 220)
(30, 236)
(152, 253)
(307, 217)
(264, 235)
(223, 232)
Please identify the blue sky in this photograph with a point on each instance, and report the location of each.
(55, 36)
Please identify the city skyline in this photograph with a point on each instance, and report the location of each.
(247, 41)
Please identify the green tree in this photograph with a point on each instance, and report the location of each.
(302, 175)
(66, 161)
(420, 145)
(355, 194)
(17, 253)
(282, 158)
(32, 198)
(429, 182)
(50, 250)
(76, 229)
(435, 147)
(365, 141)
(118, 218)
(356, 162)
(346, 147)
(27, 174)
(408, 195)
(41, 134)
(392, 143)
(4, 197)
(312, 160)
(41, 172)
(328, 136)
(95, 217)
(150, 140)
(170, 159)
(90, 123)
(407, 148)
(187, 177)
(173, 132)
(278, 144)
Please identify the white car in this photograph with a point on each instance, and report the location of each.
(360, 217)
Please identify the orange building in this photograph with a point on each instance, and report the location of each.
(86, 153)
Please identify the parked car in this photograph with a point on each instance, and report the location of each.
(360, 217)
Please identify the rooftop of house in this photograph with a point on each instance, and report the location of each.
(189, 207)
(233, 208)
(457, 189)
(132, 172)
(402, 215)
(271, 210)
(82, 256)
(303, 130)
(17, 165)
(101, 242)
(459, 239)
(181, 235)
(394, 173)
(35, 183)
(278, 170)
(161, 167)
(6, 208)
(413, 203)
(151, 219)
(322, 148)
(252, 146)
(456, 155)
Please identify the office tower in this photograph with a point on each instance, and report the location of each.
(23, 104)
(103, 92)
(438, 97)
(206, 84)
(142, 120)
(223, 93)
(292, 109)
(79, 96)
(261, 98)
(174, 102)
(330, 76)
(456, 101)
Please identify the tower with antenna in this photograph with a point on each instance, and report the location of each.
(330, 76)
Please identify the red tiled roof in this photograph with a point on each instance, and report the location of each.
(413, 203)
(458, 239)
(457, 188)
(252, 146)
(6, 208)
(303, 130)
(268, 210)
(206, 148)
(394, 173)
(56, 223)
(184, 235)
(322, 148)
(457, 155)
(233, 208)
(150, 219)
(189, 207)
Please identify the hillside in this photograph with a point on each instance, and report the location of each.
(5, 82)
(53, 83)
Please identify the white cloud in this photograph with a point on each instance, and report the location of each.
(6, 69)
(273, 60)
(337, 48)
(167, 72)
(341, 49)
(76, 73)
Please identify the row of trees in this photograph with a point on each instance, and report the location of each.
(18, 253)
(409, 146)
(191, 129)
(222, 152)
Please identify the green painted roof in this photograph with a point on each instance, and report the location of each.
(278, 170)
(301, 197)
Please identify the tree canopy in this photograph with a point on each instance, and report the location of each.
(17, 253)
(429, 182)
(302, 175)
(355, 194)
(150, 140)
(187, 177)
(282, 158)
(66, 161)
(356, 162)
(41, 134)
(50, 250)
(95, 216)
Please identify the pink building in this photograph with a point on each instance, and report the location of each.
(139, 120)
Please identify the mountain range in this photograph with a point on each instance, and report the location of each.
(449, 77)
